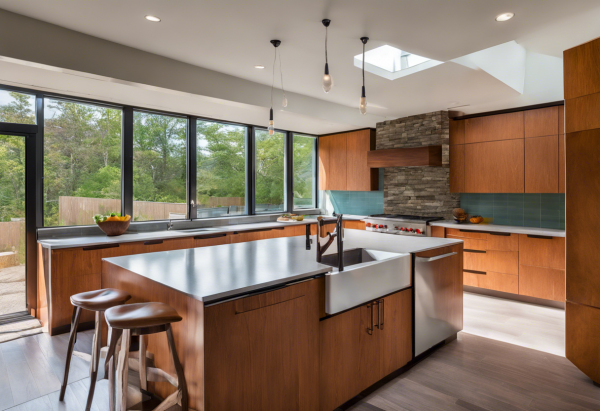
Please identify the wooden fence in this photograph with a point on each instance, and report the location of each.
(81, 210)
(11, 234)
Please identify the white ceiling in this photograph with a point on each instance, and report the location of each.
(231, 36)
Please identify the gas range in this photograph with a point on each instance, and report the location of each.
(400, 224)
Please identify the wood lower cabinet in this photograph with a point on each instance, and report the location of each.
(502, 241)
(263, 351)
(507, 283)
(355, 225)
(495, 167)
(361, 346)
(542, 251)
(542, 282)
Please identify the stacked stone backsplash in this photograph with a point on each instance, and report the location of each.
(418, 190)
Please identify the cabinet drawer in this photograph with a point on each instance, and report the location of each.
(503, 262)
(542, 251)
(470, 243)
(475, 260)
(507, 283)
(542, 282)
(465, 233)
(503, 242)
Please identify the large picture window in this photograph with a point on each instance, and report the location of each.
(82, 162)
(270, 171)
(221, 169)
(159, 167)
(304, 171)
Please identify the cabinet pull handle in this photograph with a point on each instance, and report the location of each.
(381, 313)
(252, 231)
(475, 272)
(203, 237)
(467, 250)
(472, 231)
(542, 237)
(100, 247)
(152, 242)
(372, 327)
(500, 234)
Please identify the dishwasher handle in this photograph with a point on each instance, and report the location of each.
(431, 259)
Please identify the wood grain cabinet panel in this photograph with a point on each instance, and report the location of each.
(503, 242)
(581, 75)
(470, 243)
(244, 236)
(212, 239)
(541, 122)
(457, 168)
(506, 262)
(324, 143)
(267, 357)
(437, 231)
(493, 128)
(507, 283)
(457, 132)
(338, 162)
(542, 164)
(542, 252)
(355, 225)
(561, 149)
(495, 167)
(475, 260)
(477, 235)
(360, 177)
(395, 325)
(542, 282)
(583, 334)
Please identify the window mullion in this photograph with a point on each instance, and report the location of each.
(127, 162)
(289, 172)
(250, 172)
(192, 198)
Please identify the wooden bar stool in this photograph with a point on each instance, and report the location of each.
(140, 320)
(97, 301)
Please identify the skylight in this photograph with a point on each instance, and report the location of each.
(392, 63)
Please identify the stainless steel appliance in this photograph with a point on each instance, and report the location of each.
(400, 224)
(433, 316)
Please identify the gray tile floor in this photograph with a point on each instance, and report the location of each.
(12, 289)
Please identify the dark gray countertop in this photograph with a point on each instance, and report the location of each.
(213, 273)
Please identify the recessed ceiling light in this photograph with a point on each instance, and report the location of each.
(505, 16)
(259, 67)
(152, 18)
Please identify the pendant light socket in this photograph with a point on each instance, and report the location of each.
(327, 81)
(276, 43)
(364, 40)
(326, 22)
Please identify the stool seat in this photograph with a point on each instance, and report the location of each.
(141, 315)
(100, 300)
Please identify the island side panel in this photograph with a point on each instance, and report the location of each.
(188, 333)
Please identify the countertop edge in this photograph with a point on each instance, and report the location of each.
(501, 228)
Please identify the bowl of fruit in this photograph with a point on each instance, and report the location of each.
(113, 224)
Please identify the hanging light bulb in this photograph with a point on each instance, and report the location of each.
(327, 79)
(271, 127)
(362, 106)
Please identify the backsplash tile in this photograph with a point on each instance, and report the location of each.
(357, 202)
(528, 210)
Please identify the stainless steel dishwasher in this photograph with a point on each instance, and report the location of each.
(433, 315)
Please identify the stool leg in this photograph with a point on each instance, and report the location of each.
(94, 361)
(181, 384)
(72, 337)
(123, 371)
(114, 346)
(142, 363)
(113, 338)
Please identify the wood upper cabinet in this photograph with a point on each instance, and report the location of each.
(343, 162)
(561, 149)
(457, 132)
(493, 128)
(542, 164)
(495, 167)
(264, 351)
(362, 345)
(542, 122)
(457, 168)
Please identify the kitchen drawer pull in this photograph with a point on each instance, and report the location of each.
(500, 234)
(100, 247)
(202, 237)
(381, 313)
(252, 231)
(437, 257)
(541, 237)
(468, 250)
(153, 242)
(472, 231)
(475, 272)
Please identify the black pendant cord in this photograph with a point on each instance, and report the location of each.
(273, 78)
(363, 65)
(281, 73)
(326, 29)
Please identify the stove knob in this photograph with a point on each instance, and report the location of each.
(418, 231)
(410, 229)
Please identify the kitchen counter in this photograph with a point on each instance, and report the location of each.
(500, 228)
(213, 273)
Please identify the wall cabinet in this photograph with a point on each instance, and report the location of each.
(264, 351)
(361, 346)
(521, 152)
(343, 162)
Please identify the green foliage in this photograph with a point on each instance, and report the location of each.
(12, 177)
(21, 110)
(270, 174)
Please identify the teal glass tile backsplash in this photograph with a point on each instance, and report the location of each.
(528, 210)
(357, 202)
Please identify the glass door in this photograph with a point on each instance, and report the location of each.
(13, 298)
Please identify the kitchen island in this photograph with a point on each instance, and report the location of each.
(255, 334)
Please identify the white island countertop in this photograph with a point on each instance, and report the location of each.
(550, 232)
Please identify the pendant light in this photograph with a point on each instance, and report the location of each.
(327, 79)
(362, 106)
(271, 128)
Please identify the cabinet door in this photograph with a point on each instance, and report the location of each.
(494, 128)
(507, 283)
(541, 122)
(360, 177)
(457, 132)
(244, 236)
(542, 252)
(262, 352)
(337, 178)
(495, 167)
(354, 225)
(395, 329)
(541, 164)
(542, 282)
(211, 239)
(457, 168)
(324, 143)
(369, 357)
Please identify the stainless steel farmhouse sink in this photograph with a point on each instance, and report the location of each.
(368, 274)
